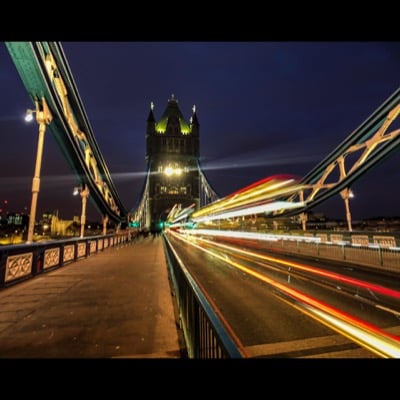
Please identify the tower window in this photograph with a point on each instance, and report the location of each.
(173, 190)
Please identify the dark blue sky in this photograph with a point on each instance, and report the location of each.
(264, 108)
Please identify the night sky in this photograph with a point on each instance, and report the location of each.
(264, 108)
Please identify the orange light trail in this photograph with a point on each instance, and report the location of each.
(331, 275)
(359, 331)
(267, 189)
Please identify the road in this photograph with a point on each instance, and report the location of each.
(262, 301)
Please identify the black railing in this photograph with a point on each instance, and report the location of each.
(24, 261)
(205, 334)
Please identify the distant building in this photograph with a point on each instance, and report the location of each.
(17, 219)
(59, 227)
(172, 154)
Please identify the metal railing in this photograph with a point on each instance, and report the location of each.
(372, 256)
(24, 261)
(205, 334)
(377, 252)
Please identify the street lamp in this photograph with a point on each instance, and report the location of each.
(43, 118)
(347, 194)
(29, 115)
(84, 192)
(105, 220)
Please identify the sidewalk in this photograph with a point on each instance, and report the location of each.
(117, 303)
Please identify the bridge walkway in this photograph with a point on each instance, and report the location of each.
(117, 303)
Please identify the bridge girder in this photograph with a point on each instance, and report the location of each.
(46, 76)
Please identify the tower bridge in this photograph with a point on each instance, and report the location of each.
(176, 188)
(172, 155)
(174, 175)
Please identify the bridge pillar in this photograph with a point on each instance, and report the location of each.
(43, 118)
(84, 196)
(347, 194)
(303, 219)
(105, 220)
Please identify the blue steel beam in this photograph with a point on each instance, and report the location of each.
(370, 144)
(45, 73)
(359, 135)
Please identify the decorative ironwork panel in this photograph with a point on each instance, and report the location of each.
(18, 266)
(69, 252)
(81, 249)
(51, 258)
(336, 237)
(384, 241)
(93, 246)
(360, 240)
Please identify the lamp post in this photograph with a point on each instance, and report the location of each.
(105, 220)
(347, 194)
(43, 118)
(84, 192)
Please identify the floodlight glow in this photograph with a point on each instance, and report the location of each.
(29, 115)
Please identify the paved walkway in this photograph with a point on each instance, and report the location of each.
(115, 304)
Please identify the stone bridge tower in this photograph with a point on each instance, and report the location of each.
(172, 154)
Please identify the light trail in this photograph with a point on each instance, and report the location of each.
(250, 235)
(330, 275)
(357, 330)
(266, 189)
(258, 159)
(257, 198)
(263, 208)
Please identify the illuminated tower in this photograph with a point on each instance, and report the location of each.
(172, 153)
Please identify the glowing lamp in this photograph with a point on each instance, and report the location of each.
(168, 171)
(29, 115)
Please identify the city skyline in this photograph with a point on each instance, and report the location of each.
(264, 108)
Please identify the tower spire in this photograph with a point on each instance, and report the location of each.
(193, 118)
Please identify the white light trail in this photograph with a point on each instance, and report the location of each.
(249, 235)
(263, 208)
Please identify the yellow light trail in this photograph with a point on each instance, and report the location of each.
(331, 275)
(365, 334)
(269, 188)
